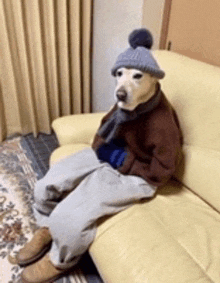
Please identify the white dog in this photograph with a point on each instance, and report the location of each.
(133, 87)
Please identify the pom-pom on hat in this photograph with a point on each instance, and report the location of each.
(139, 56)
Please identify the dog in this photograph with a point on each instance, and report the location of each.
(135, 150)
(133, 87)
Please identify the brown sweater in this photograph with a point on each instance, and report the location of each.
(153, 143)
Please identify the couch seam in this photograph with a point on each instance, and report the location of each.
(196, 194)
(184, 248)
(201, 147)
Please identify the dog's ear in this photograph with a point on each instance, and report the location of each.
(154, 78)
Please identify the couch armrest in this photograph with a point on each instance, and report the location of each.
(78, 128)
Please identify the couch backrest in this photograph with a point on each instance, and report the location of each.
(193, 88)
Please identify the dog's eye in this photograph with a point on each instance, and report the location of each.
(138, 76)
(119, 74)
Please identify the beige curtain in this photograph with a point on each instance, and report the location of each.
(45, 62)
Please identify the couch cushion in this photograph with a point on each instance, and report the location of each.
(66, 150)
(77, 128)
(194, 90)
(172, 238)
(200, 171)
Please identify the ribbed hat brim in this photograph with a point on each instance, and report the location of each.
(137, 65)
(139, 58)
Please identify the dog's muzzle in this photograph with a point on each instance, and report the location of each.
(121, 94)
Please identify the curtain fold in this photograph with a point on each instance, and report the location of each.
(45, 63)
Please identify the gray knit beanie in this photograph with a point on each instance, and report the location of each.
(139, 56)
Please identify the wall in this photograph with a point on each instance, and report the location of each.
(152, 18)
(112, 23)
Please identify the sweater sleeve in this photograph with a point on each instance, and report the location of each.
(153, 150)
(156, 162)
(161, 167)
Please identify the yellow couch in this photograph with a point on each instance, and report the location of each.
(175, 237)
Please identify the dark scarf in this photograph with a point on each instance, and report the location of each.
(109, 129)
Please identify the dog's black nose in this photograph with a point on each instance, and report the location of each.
(121, 95)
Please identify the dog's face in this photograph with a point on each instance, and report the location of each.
(133, 87)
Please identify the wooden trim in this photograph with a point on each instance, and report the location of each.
(165, 24)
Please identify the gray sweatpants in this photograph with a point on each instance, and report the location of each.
(74, 194)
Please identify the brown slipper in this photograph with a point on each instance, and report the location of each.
(35, 249)
(42, 271)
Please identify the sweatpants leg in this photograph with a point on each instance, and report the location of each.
(60, 180)
(73, 221)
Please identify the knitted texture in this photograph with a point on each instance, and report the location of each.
(112, 154)
(138, 56)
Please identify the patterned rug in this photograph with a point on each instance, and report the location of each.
(17, 223)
